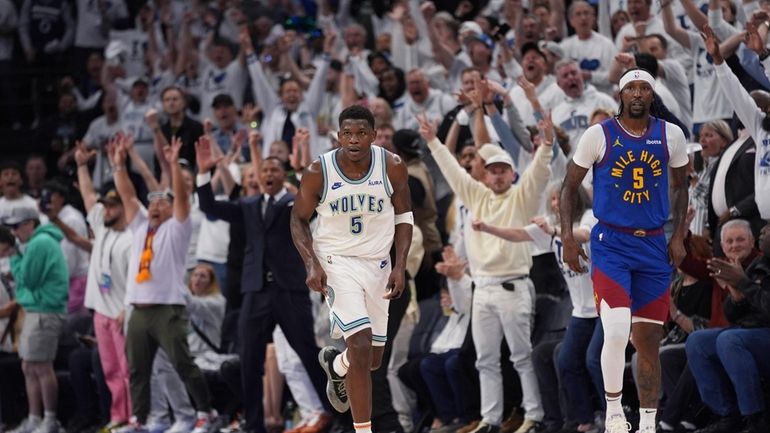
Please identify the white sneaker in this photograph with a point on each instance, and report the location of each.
(27, 426)
(48, 427)
(617, 424)
(205, 422)
(648, 429)
(182, 426)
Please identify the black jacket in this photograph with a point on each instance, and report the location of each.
(269, 246)
(739, 189)
(754, 310)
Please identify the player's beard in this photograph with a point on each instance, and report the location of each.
(766, 123)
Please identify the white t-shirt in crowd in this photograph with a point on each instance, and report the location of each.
(592, 145)
(207, 313)
(709, 102)
(109, 262)
(77, 258)
(548, 93)
(435, 107)
(136, 42)
(132, 118)
(167, 268)
(196, 217)
(594, 54)
(213, 239)
(88, 33)
(230, 80)
(98, 135)
(574, 114)
(581, 288)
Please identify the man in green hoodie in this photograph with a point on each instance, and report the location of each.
(42, 279)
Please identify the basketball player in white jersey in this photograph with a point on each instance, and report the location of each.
(361, 196)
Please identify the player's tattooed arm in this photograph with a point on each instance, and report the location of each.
(572, 251)
(679, 201)
(402, 203)
(305, 202)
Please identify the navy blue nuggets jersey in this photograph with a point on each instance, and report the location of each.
(631, 180)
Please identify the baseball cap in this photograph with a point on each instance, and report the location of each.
(110, 195)
(21, 214)
(470, 26)
(503, 158)
(489, 150)
(551, 47)
(140, 80)
(483, 38)
(407, 141)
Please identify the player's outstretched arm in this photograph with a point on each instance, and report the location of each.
(569, 193)
(402, 206)
(305, 202)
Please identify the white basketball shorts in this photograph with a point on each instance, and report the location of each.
(356, 287)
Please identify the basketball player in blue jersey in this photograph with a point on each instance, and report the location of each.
(638, 162)
(361, 197)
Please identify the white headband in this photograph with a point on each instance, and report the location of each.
(637, 75)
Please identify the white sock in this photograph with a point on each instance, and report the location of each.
(49, 416)
(647, 418)
(614, 405)
(35, 419)
(341, 364)
(363, 427)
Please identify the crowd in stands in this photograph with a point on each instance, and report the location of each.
(148, 279)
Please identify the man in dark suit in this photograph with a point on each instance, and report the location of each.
(732, 183)
(273, 280)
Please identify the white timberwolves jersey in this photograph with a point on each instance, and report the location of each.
(355, 217)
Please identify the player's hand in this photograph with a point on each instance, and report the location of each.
(316, 278)
(396, 283)
(676, 251)
(572, 254)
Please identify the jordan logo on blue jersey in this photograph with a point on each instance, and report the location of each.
(617, 142)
